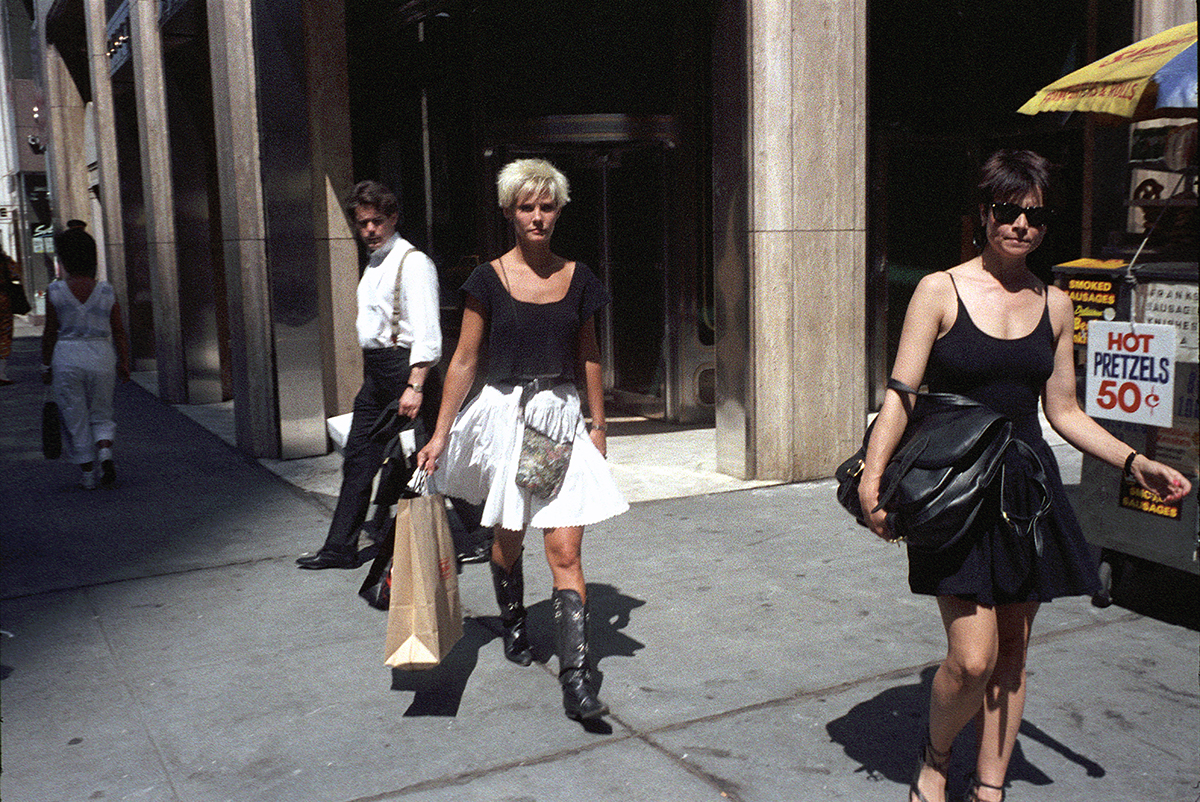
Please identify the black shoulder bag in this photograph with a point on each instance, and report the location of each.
(943, 472)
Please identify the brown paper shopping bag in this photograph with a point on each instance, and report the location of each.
(425, 614)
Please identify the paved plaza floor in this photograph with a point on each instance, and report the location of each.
(754, 644)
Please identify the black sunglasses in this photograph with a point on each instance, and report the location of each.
(1006, 213)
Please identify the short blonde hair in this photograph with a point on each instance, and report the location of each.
(533, 177)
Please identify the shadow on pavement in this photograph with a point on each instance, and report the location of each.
(1157, 591)
(438, 691)
(183, 500)
(883, 735)
(609, 611)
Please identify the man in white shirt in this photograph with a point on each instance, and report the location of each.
(401, 338)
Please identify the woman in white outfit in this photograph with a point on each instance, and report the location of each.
(84, 350)
(537, 312)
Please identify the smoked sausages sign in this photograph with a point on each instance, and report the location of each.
(1093, 298)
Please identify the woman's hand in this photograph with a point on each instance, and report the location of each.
(599, 441)
(1163, 480)
(868, 497)
(427, 457)
(933, 300)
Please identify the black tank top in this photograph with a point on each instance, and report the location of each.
(540, 339)
(1006, 375)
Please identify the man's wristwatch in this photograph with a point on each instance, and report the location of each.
(420, 388)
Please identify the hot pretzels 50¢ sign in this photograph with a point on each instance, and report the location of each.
(1131, 372)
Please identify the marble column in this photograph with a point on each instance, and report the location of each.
(109, 194)
(332, 178)
(807, 241)
(1156, 16)
(243, 227)
(66, 147)
(151, 98)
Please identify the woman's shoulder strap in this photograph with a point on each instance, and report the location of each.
(953, 284)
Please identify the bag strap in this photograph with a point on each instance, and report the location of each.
(527, 389)
(1038, 476)
(901, 387)
(1022, 526)
(396, 299)
(904, 390)
(954, 399)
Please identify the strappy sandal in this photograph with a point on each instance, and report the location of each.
(976, 784)
(928, 756)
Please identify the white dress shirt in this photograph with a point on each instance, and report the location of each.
(419, 327)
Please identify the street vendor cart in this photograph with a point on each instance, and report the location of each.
(1142, 291)
(1116, 515)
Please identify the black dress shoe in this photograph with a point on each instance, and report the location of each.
(327, 559)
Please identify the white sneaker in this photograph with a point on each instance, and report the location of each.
(88, 482)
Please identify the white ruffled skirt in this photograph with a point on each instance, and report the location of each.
(480, 461)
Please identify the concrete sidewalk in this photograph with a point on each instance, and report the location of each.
(755, 645)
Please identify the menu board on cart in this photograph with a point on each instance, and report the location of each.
(1177, 303)
(1174, 304)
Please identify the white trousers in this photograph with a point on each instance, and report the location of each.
(84, 376)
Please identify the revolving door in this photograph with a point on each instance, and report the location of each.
(632, 220)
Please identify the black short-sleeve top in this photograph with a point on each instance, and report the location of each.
(530, 339)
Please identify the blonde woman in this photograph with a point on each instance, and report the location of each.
(536, 311)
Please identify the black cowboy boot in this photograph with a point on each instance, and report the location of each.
(510, 595)
(570, 641)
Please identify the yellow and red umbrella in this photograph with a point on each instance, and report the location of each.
(1144, 81)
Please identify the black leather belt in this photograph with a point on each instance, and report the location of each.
(532, 385)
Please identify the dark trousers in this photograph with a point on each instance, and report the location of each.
(385, 374)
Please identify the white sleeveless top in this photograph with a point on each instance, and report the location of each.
(83, 321)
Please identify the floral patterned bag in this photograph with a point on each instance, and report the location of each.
(542, 465)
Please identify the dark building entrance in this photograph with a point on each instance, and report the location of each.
(616, 94)
(620, 222)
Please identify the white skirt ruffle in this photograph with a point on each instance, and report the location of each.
(480, 462)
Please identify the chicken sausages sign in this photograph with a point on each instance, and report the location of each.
(1131, 372)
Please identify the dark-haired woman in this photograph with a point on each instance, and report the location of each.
(537, 313)
(84, 350)
(990, 330)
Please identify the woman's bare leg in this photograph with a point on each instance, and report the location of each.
(1004, 699)
(960, 682)
(564, 546)
(506, 547)
(569, 600)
